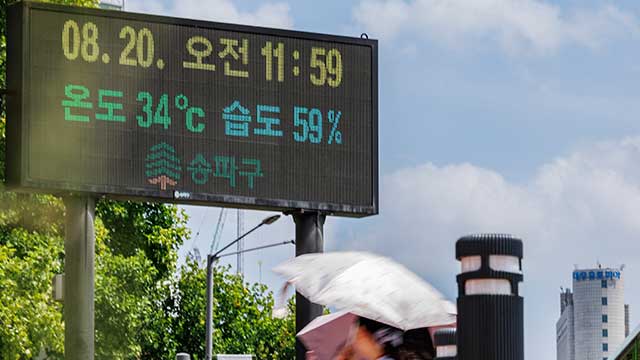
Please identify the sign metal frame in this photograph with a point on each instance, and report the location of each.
(18, 46)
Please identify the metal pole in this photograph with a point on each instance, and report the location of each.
(240, 247)
(309, 239)
(260, 248)
(79, 250)
(211, 259)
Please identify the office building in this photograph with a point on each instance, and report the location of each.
(594, 319)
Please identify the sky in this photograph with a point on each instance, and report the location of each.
(508, 116)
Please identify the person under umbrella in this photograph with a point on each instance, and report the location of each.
(344, 336)
(376, 340)
(370, 286)
(388, 298)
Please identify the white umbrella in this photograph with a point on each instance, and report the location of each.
(370, 286)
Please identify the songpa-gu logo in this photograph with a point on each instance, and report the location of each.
(163, 166)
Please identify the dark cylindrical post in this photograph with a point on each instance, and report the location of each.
(490, 308)
(445, 343)
(309, 239)
(79, 258)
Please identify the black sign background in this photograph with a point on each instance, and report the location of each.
(50, 154)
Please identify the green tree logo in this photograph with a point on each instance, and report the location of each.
(163, 166)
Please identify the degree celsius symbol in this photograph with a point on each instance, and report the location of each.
(182, 103)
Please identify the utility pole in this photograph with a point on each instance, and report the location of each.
(240, 230)
(309, 239)
(79, 259)
(211, 260)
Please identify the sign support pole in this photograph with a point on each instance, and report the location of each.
(79, 250)
(309, 239)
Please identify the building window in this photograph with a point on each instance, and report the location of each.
(605, 333)
(604, 284)
(604, 301)
(605, 319)
(605, 347)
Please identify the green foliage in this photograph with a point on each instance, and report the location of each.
(3, 45)
(146, 308)
(242, 318)
(137, 247)
(3, 131)
(156, 229)
(30, 319)
(130, 317)
(150, 319)
(31, 252)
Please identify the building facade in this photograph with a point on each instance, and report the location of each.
(593, 317)
(565, 335)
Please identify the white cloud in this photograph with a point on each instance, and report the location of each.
(276, 14)
(577, 209)
(516, 24)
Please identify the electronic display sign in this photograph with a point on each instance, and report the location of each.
(148, 107)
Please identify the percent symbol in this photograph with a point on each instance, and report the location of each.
(334, 118)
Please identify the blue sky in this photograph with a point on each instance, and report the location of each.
(515, 116)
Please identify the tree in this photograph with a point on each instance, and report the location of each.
(156, 229)
(31, 250)
(137, 250)
(243, 316)
(130, 295)
(146, 308)
(31, 320)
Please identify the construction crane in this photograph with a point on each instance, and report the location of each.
(215, 242)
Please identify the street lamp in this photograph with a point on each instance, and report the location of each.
(490, 308)
(445, 344)
(212, 259)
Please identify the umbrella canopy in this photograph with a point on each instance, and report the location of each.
(326, 335)
(329, 337)
(370, 286)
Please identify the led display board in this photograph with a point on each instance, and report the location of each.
(157, 108)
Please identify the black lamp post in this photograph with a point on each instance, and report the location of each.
(445, 343)
(490, 308)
